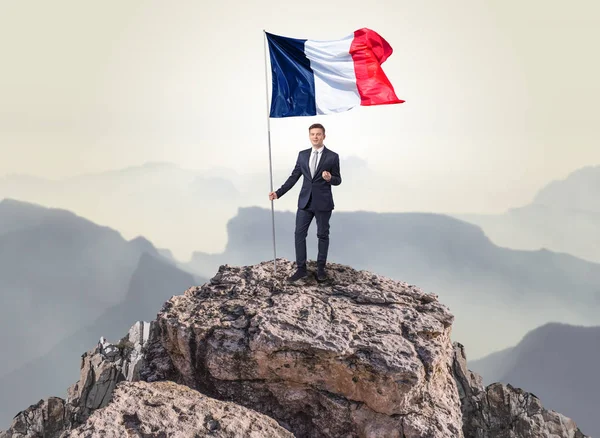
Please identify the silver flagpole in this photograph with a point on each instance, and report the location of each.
(270, 161)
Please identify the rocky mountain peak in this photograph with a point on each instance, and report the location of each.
(360, 355)
(347, 354)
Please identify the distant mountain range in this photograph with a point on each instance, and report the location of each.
(558, 363)
(564, 216)
(64, 282)
(186, 210)
(160, 201)
(497, 294)
(180, 209)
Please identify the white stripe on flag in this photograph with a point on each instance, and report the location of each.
(333, 68)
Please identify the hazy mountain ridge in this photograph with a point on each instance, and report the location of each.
(168, 203)
(59, 272)
(564, 216)
(578, 191)
(56, 272)
(140, 200)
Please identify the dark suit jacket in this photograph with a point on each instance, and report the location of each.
(317, 187)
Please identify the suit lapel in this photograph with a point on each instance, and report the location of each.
(306, 161)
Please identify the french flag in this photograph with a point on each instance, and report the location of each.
(323, 77)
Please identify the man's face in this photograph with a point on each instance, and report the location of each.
(316, 136)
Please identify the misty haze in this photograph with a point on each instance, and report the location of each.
(134, 181)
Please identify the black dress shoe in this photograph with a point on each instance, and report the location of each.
(297, 275)
(321, 275)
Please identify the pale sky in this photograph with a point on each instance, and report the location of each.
(501, 96)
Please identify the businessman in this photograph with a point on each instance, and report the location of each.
(321, 170)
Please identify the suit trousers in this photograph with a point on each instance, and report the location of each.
(303, 220)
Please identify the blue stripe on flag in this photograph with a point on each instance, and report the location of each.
(293, 79)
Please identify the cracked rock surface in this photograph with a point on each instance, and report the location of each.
(166, 409)
(503, 411)
(359, 355)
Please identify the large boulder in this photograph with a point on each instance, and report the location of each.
(166, 409)
(359, 355)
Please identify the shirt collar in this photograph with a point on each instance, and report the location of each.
(318, 150)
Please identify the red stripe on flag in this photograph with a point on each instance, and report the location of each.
(369, 50)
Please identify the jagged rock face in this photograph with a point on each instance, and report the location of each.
(360, 355)
(166, 409)
(502, 411)
(47, 418)
(101, 369)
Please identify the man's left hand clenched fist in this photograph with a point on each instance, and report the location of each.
(326, 176)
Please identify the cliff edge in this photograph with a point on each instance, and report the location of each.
(360, 355)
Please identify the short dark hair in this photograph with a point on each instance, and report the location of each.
(317, 125)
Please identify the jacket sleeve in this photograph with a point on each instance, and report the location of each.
(336, 176)
(291, 181)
